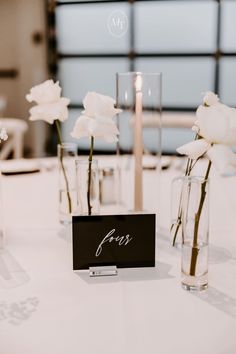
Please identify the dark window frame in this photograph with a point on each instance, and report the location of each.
(54, 56)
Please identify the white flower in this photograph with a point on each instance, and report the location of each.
(223, 158)
(210, 98)
(3, 134)
(50, 106)
(96, 119)
(46, 92)
(97, 105)
(216, 125)
(103, 128)
(50, 111)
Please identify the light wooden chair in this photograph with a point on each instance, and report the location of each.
(16, 129)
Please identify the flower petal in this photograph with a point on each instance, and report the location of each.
(230, 137)
(194, 149)
(97, 105)
(213, 122)
(3, 134)
(223, 158)
(47, 92)
(210, 98)
(81, 127)
(101, 128)
(50, 111)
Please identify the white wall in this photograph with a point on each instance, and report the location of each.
(19, 19)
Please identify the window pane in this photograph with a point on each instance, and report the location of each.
(181, 26)
(184, 79)
(68, 125)
(86, 28)
(228, 30)
(228, 81)
(174, 138)
(78, 76)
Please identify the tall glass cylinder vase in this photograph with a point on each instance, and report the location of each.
(177, 186)
(195, 228)
(87, 183)
(67, 153)
(139, 97)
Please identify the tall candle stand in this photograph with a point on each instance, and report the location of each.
(139, 97)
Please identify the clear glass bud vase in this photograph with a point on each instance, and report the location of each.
(67, 153)
(195, 232)
(176, 211)
(87, 183)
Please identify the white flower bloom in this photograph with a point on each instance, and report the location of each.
(210, 98)
(217, 128)
(217, 124)
(50, 106)
(195, 127)
(223, 158)
(194, 149)
(96, 119)
(97, 105)
(103, 128)
(50, 111)
(46, 92)
(3, 134)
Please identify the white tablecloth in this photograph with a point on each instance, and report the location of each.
(57, 311)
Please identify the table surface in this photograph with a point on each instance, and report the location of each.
(46, 308)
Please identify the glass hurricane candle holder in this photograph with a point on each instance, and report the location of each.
(177, 185)
(139, 97)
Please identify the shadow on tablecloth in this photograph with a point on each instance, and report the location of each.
(219, 300)
(18, 311)
(11, 273)
(160, 272)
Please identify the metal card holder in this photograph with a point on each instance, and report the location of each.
(103, 271)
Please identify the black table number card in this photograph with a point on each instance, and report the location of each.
(126, 241)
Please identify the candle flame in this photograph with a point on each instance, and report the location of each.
(138, 83)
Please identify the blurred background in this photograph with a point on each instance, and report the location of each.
(84, 43)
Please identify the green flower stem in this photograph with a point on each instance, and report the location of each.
(58, 131)
(63, 167)
(195, 248)
(89, 175)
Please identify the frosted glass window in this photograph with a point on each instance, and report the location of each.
(181, 26)
(78, 76)
(68, 125)
(228, 81)
(173, 138)
(84, 29)
(228, 29)
(184, 79)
